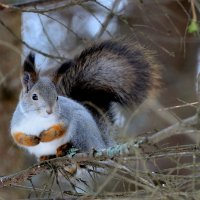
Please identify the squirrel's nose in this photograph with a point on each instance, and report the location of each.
(49, 110)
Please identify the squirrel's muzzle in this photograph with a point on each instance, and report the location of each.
(49, 110)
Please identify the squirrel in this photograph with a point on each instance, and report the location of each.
(45, 123)
(52, 114)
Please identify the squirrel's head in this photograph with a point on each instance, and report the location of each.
(39, 93)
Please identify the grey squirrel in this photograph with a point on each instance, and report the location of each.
(45, 123)
(105, 73)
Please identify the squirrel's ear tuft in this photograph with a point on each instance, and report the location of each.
(29, 75)
(62, 70)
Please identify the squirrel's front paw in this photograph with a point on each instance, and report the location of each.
(52, 133)
(26, 140)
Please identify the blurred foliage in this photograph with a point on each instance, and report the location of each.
(193, 27)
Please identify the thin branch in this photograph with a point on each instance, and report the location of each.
(84, 40)
(179, 106)
(132, 28)
(58, 8)
(47, 36)
(29, 3)
(28, 46)
(108, 19)
(22, 7)
(96, 18)
(177, 128)
(198, 97)
(22, 175)
(194, 15)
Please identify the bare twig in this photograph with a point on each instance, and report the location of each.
(177, 128)
(194, 15)
(131, 27)
(29, 3)
(23, 6)
(22, 175)
(179, 106)
(48, 37)
(198, 97)
(108, 19)
(28, 46)
(84, 40)
(95, 17)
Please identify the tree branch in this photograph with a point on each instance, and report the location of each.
(28, 4)
(23, 6)
(117, 151)
(106, 154)
(28, 46)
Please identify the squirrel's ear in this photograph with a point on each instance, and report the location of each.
(62, 70)
(29, 75)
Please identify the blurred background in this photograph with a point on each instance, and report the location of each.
(62, 29)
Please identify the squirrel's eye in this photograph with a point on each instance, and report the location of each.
(35, 97)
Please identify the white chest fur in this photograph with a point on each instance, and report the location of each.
(34, 124)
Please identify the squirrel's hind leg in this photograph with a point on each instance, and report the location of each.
(43, 158)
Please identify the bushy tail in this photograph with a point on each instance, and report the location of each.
(111, 71)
